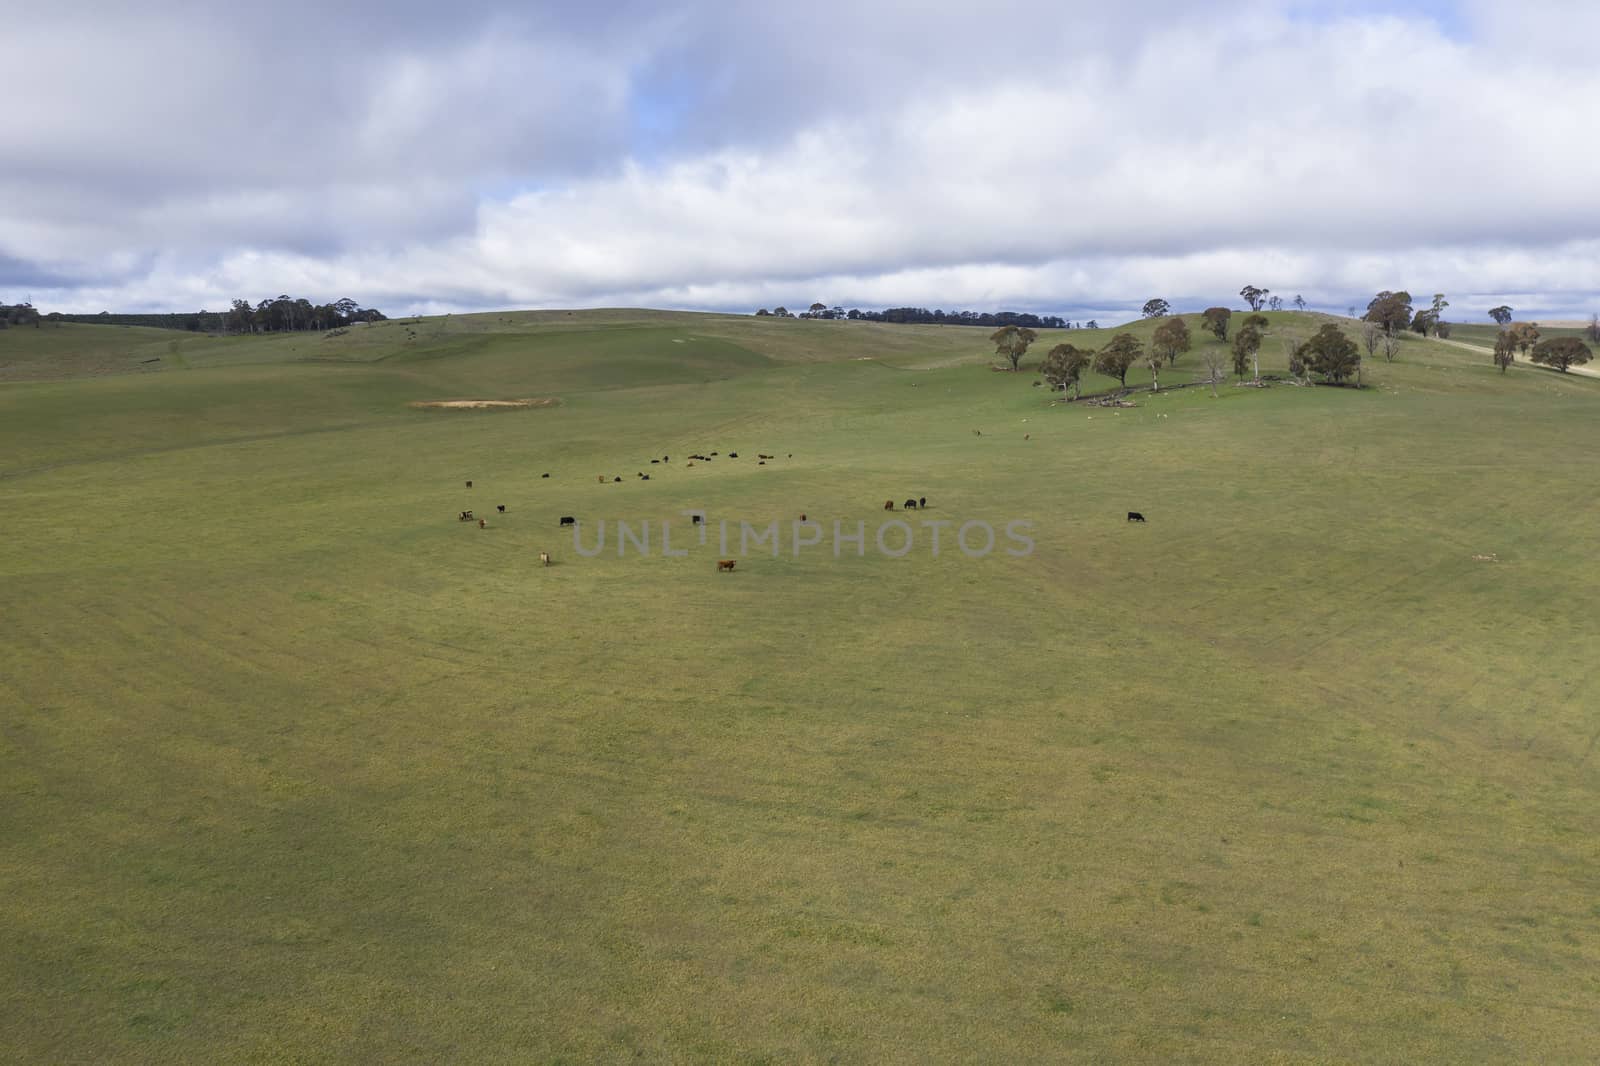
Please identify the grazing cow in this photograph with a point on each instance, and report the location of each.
(616, 480)
(469, 484)
(802, 518)
(696, 519)
(655, 462)
(888, 505)
(762, 463)
(1027, 436)
(713, 453)
(600, 478)
(645, 476)
(568, 520)
(733, 455)
(483, 523)
(501, 508)
(544, 475)
(1135, 516)
(466, 516)
(544, 558)
(922, 502)
(691, 463)
(911, 505)
(725, 564)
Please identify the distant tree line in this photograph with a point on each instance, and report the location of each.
(923, 316)
(280, 314)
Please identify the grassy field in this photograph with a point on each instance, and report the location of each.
(294, 766)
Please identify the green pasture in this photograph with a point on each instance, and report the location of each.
(296, 767)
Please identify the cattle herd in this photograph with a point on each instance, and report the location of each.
(919, 503)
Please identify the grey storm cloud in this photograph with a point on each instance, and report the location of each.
(721, 154)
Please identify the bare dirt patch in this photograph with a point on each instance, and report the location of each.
(480, 405)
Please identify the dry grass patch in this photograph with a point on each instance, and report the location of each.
(478, 405)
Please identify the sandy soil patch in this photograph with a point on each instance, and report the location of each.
(478, 405)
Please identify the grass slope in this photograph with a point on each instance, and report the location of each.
(295, 766)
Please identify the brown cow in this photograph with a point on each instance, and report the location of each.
(601, 478)
(888, 505)
(802, 518)
(725, 564)
(544, 558)
(483, 523)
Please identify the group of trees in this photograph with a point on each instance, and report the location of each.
(23, 314)
(1257, 298)
(1392, 313)
(284, 314)
(1557, 352)
(269, 316)
(923, 316)
(1329, 354)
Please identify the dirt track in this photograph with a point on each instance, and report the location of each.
(1582, 370)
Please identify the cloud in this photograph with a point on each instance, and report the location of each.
(727, 156)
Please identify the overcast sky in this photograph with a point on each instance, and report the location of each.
(1041, 155)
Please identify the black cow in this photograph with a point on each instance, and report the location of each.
(696, 520)
(568, 520)
(911, 505)
(655, 462)
(469, 484)
(500, 507)
(1135, 516)
(922, 502)
(731, 455)
(616, 481)
(544, 475)
(646, 477)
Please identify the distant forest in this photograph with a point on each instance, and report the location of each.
(923, 316)
(282, 314)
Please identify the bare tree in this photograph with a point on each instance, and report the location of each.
(1371, 332)
(1291, 348)
(1391, 345)
(1215, 361)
